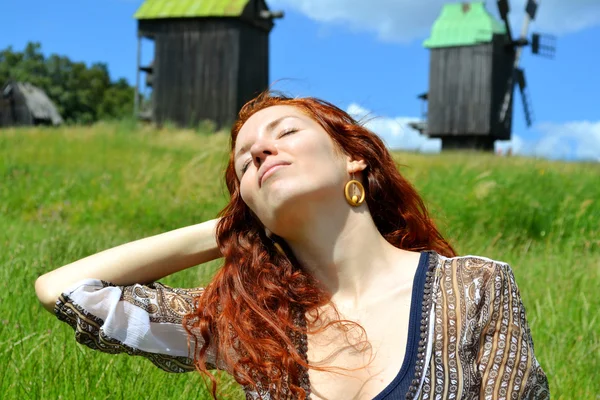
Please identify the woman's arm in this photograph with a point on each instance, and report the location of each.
(141, 261)
(506, 362)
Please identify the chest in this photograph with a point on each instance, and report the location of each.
(356, 364)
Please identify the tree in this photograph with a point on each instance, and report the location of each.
(82, 94)
(117, 101)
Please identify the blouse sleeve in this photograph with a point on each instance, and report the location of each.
(506, 362)
(140, 320)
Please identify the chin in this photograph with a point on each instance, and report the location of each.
(283, 206)
(288, 206)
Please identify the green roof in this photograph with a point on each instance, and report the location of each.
(463, 24)
(154, 9)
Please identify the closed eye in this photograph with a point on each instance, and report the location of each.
(245, 166)
(287, 132)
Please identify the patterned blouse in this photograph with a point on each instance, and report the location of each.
(475, 342)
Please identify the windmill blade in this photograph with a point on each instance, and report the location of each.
(503, 9)
(520, 78)
(531, 9)
(543, 45)
(510, 87)
(527, 108)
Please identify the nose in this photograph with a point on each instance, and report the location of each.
(261, 149)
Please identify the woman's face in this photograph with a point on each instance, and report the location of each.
(287, 163)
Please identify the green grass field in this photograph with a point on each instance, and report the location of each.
(68, 193)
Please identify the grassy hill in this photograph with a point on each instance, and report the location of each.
(68, 193)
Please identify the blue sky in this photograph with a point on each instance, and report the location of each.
(365, 56)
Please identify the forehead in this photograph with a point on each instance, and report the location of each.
(258, 121)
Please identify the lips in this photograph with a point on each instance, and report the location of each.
(268, 169)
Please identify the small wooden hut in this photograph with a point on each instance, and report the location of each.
(470, 66)
(25, 104)
(210, 57)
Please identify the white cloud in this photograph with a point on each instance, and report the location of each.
(560, 17)
(577, 140)
(395, 131)
(408, 20)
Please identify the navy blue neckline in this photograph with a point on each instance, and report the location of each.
(402, 381)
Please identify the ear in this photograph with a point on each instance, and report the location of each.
(354, 166)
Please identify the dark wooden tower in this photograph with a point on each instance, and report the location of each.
(473, 72)
(210, 57)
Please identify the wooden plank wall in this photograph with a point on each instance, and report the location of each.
(254, 63)
(5, 113)
(196, 69)
(205, 69)
(15, 112)
(459, 100)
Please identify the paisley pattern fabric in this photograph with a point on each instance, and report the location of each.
(137, 320)
(478, 342)
(475, 340)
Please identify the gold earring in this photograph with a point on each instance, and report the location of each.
(354, 200)
(275, 244)
(279, 248)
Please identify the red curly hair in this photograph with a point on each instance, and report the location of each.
(248, 311)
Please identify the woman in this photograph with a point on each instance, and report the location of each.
(336, 284)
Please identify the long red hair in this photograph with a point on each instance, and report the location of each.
(248, 312)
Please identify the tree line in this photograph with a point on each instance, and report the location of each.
(82, 94)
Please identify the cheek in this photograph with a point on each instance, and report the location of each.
(322, 151)
(323, 162)
(248, 192)
(245, 191)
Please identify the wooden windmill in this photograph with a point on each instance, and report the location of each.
(210, 57)
(474, 68)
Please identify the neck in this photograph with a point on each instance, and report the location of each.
(347, 254)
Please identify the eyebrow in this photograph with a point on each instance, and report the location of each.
(269, 128)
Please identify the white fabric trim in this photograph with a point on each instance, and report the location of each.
(126, 322)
